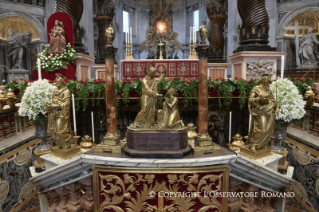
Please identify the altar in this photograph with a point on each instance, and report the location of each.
(175, 68)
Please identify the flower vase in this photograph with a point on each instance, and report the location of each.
(279, 134)
(41, 132)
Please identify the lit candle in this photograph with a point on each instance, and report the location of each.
(74, 118)
(229, 126)
(249, 122)
(131, 34)
(282, 66)
(39, 69)
(92, 126)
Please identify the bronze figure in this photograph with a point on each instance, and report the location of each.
(203, 32)
(310, 97)
(110, 35)
(169, 116)
(263, 107)
(59, 126)
(57, 38)
(146, 117)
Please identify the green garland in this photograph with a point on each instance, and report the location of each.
(56, 61)
(94, 90)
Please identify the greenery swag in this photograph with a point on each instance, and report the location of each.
(224, 89)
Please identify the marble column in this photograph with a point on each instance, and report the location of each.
(111, 141)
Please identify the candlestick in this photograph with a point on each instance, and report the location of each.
(194, 31)
(230, 126)
(131, 35)
(249, 122)
(74, 118)
(39, 69)
(190, 35)
(282, 66)
(92, 126)
(125, 37)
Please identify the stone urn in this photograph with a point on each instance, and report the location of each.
(279, 134)
(41, 127)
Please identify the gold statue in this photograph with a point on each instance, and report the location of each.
(263, 108)
(310, 97)
(169, 116)
(2, 100)
(203, 32)
(59, 126)
(110, 35)
(11, 99)
(146, 117)
(57, 38)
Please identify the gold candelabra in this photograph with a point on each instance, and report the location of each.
(192, 51)
(129, 52)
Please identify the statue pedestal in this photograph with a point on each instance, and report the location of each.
(217, 70)
(100, 71)
(240, 59)
(83, 69)
(151, 143)
(66, 153)
(255, 154)
(18, 74)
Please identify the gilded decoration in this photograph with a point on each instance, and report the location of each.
(17, 25)
(130, 189)
(161, 17)
(307, 18)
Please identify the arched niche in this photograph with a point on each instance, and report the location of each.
(305, 16)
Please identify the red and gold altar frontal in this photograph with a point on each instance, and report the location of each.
(136, 189)
(175, 68)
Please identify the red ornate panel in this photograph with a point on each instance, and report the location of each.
(175, 68)
(167, 189)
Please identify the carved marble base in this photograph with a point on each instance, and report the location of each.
(157, 154)
(39, 164)
(217, 70)
(83, 69)
(100, 71)
(255, 154)
(66, 153)
(111, 143)
(240, 62)
(19, 74)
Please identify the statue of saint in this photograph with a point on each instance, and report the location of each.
(307, 51)
(146, 117)
(16, 43)
(169, 116)
(263, 107)
(310, 97)
(110, 35)
(59, 126)
(203, 32)
(57, 38)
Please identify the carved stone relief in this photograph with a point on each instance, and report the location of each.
(257, 68)
(4, 190)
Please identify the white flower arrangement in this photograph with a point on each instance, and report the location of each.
(56, 61)
(34, 99)
(290, 102)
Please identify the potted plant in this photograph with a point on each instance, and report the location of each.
(291, 107)
(33, 108)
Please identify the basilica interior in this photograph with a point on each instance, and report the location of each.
(159, 105)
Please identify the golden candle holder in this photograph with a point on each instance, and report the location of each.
(237, 143)
(192, 51)
(76, 138)
(129, 52)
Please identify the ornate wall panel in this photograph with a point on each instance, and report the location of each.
(306, 171)
(129, 189)
(307, 18)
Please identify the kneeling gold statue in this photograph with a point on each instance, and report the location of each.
(59, 126)
(169, 116)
